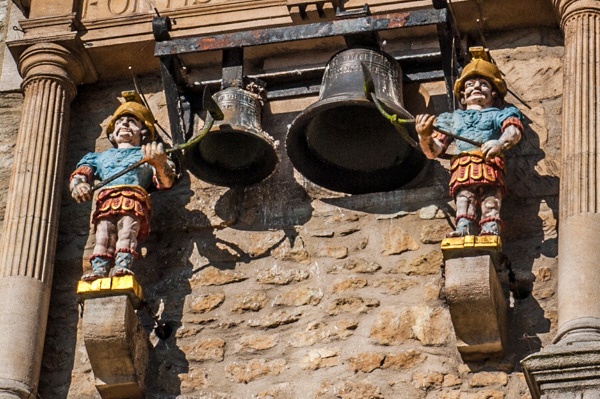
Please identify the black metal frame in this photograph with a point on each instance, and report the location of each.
(183, 101)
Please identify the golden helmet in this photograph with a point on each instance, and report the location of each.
(132, 106)
(485, 69)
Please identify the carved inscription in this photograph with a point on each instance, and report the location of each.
(95, 9)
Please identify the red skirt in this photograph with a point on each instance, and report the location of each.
(469, 169)
(118, 201)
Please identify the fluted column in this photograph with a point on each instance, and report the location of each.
(579, 234)
(28, 244)
(570, 368)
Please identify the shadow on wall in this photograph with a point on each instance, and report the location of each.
(186, 241)
(531, 241)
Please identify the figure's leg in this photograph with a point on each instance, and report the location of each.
(490, 211)
(106, 237)
(127, 231)
(466, 213)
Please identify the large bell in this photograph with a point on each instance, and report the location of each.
(236, 151)
(342, 142)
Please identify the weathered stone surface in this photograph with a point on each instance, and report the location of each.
(250, 301)
(278, 275)
(279, 391)
(484, 379)
(354, 305)
(403, 360)
(424, 265)
(329, 251)
(299, 297)
(321, 358)
(485, 394)
(324, 332)
(213, 276)
(349, 390)
(396, 241)
(431, 212)
(206, 302)
(356, 265)
(205, 349)
(255, 343)
(366, 362)
(428, 381)
(252, 243)
(296, 253)
(255, 369)
(434, 233)
(348, 284)
(275, 319)
(431, 326)
(451, 380)
(393, 286)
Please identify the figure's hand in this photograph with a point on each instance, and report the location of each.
(81, 192)
(492, 148)
(424, 124)
(155, 154)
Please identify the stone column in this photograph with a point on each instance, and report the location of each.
(579, 276)
(571, 367)
(27, 249)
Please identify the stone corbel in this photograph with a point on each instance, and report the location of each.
(115, 341)
(475, 296)
(307, 10)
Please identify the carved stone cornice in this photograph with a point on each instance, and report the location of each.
(53, 23)
(565, 9)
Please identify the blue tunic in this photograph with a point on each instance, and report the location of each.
(107, 163)
(480, 125)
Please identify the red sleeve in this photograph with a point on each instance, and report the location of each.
(443, 138)
(512, 121)
(84, 171)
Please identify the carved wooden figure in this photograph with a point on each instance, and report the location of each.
(490, 128)
(122, 213)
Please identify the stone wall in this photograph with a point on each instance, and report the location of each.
(10, 111)
(286, 290)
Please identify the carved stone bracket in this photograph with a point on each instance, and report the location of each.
(307, 10)
(115, 341)
(475, 296)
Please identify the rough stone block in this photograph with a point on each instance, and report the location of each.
(477, 307)
(117, 347)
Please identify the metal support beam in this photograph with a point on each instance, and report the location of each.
(284, 34)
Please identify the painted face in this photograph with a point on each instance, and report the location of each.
(478, 92)
(128, 130)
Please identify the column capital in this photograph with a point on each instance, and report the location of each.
(565, 9)
(54, 62)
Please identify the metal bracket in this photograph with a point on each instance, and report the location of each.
(357, 27)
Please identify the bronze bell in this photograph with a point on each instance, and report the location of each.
(342, 142)
(236, 151)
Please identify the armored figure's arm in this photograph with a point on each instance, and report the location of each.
(431, 146)
(511, 135)
(79, 184)
(164, 168)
